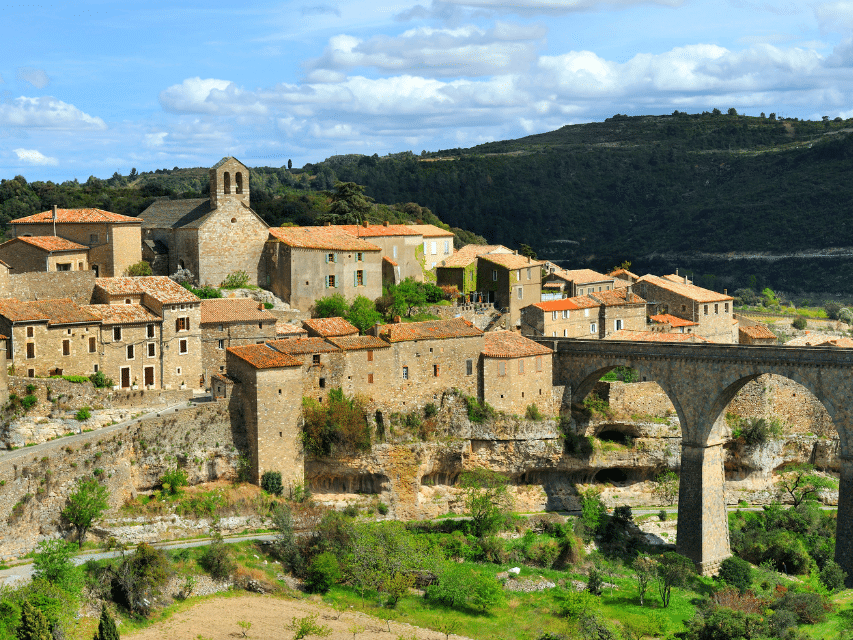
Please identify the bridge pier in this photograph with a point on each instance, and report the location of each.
(703, 526)
(844, 528)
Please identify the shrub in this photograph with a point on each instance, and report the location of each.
(479, 412)
(340, 424)
(136, 578)
(593, 510)
(106, 626)
(141, 268)
(544, 553)
(832, 309)
(457, 586)
(100, 381)
(532, 413)
(572, 604)
(430, 410)
(235, 280)
(28, 402)
(487, 499)
(594, 581)
(308, 626)
(810, 608)
(173, 480)
(799, 323)
(216, 558)
(663, 515)
(323, 572)
(382, 508)
(832, 576)
(268, 305)
(333, 306)
(83, 414)
(31, 389)
(271, 482)
(736, 572)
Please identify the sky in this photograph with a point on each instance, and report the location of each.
(97, 87)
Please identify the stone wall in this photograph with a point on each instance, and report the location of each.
(77, 285)
(232, 334)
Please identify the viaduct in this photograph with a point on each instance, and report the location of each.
(701, 380)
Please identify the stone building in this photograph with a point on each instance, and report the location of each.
(438, 243)
(620, 309)
(565, 318)
(516, 373)
(510, 281)
(623, 277)
(368, 366)
(676, 295)
(757, 333)
(400, 245)
(322, 367)
(265, 393)
(44, 253)
(114, 241)
(329, 328)
(307, 263)
(655, 336)
(460, 269)
(669, 323)
(578, 282)
(212, 237)
(230, 322)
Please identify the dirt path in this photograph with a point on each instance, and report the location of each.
(217, 618)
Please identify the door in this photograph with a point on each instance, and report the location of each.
(149, 376)
(125, 377)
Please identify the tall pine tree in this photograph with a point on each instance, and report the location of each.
(34, 626)
(106, 627)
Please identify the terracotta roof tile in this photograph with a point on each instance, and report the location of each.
(331, 238)
(301, 346)
(429, 330)
(261, 356)
(509, 344)
(50, 243)
(673, 321)
(758, 332)
(389, 261)
(224, 378)
(621, 273)
(511, 260)
(222, 310)
(563, 304)
(430, 230)
(54, 312)
(584, 302)
(617, 297)
(376, 230)
(470, 252)
(354, 343)
(690, 291)
(161, 288)
(77, 216)
(810, 339)
(326, 327)
(581, 276)
(285, 328)
(655, 336)
(121, 313)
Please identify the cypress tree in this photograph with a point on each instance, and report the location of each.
(106, 627)
(34, 625)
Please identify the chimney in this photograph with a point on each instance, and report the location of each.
(260, 306)
(365, 224)
(384, 224)
(328, 224)
(54, 212)
(628, 293)
(515, 252)
(686, 280)
(725, 292)
(676, 271)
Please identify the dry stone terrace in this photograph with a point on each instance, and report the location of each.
(700, 381)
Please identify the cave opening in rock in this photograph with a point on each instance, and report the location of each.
(611, 476)
(612, 435)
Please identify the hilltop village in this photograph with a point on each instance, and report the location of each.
(69, 308)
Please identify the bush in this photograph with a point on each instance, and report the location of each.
(340, 424)
(235, 280)
(810, 608)
(382, 508)
(216, 558)
(271, 483)
(173, 480)
(799, 323)
(106, 626)
(832, 309)
(100, 381)
(333, 306)
(737, 573)
(269, 305)
(323, 572)
(459, 586)
(479, 412)
(593, 511)
(28, 402)
(594, 581)
(141, 268)
(136, 578)
(663, 515)
(832, 576)
(83, 414)
(532, 413)
(430, 410)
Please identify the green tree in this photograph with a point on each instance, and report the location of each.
(737, 573)
(644, 568)
(141, 268)
(832, 309)
(487, 499)
(801, 483)
(406, 297)
(666, 487)
(672, 571)
(52, 562)
(769, 297)
(323, 572)
(138, 576)
(106, 626)
(34, 624)
(333, 306)
(799, 323)
(85, 506)
(832, 576)
(593, 510)
(363, 314)
(527, 251)
(349, 204)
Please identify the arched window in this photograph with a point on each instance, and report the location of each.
(226, 181)
(238, 179)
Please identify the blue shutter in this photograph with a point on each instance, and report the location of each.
(355, 278)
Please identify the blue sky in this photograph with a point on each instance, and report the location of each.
(98, 87)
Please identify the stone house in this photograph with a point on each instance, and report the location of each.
(460, 269)
(757, 333)
(438, 243)
(50, 337)
(578, 282)
(576, 317)
(510, 281)
(668, 323)
(323, 368)
(307, 263)
(620, 309)
(44, 253)
(263, 388)
(517, 373)
(230, 322)
(676, 295)
(400, 245)
(114, 241)
(212, 237)
(285, 329)
(329, 328)
(623, 277)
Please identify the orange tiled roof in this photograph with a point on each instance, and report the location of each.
(511, 260)
(56, 311)
(430, 230)
(121, 313)
(617, 297)
(585, 302)
(326, 327)
(330, 238)
(354, 343)
(509, 344)
(224, 378)
(51, 243)
(618, 273)
(261, 356)
(377, 230)
(673, 321)
(581, 276)
(557, 305)
(470, 252)
(284, 328)
(222, 310)
(429, 330)
(389, 261)
(758, 332)
(655, 336)
(809, 339)
(690, 291)
(163, 289)
(77, 216)
(301, 346)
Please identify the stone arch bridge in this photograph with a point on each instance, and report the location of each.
(701, 380)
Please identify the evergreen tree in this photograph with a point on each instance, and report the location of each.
(106, 627)
(34, 625)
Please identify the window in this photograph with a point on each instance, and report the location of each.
(565, 333)
(152, 350)
(359, 257)
(95, 368)
(29, 332)
(330, 282)
(528, 273)
(182, 346)
(178, 371)
(150, 330)
(130, 352)
(370, 355)
(726, 307)
(227, 183)
(315, 359)
(331, 257)
(394, 252)
(520, 293)
(580, 292)
(79, 266)
(369, 378)
(127, 300)
(66, 347)
(447, 246)
(322, 383)
(706, 309)
(593, 328)
(220, 344)
(494, 275)
(554, 315)
(684, 308)
(116, 333)
(521, 366)
(182, 324)
(93, 238)
(599, 289)
(435, 370)
(539, 363)
(91, 345)
(469, 367)
(617, 324)
(501, 368)
(359, 278)
(239, 181)
(405, 373)
(434, 247)
(716, 309)
(554, 333)
(31, 373)
(565, 314)
(63, 266)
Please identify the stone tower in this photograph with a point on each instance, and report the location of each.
(229, 183)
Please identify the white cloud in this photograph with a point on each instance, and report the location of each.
(209, 95)
(46, 113)
(450, 10)
(36, 77)
(835, 16)
(155, 139)
(33, 157)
